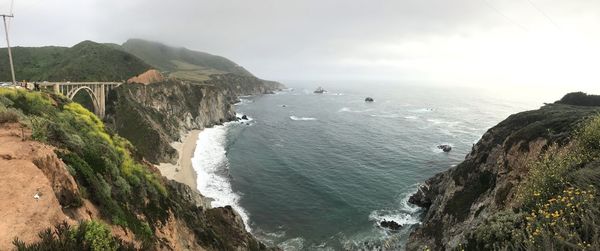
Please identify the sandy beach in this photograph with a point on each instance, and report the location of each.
(183, 171)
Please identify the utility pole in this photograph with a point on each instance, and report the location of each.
(12, 68)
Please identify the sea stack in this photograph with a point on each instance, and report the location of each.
(369, 99)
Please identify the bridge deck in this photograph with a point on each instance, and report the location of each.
(78, 83)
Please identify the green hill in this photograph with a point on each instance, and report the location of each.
(181, 62)
(86, 61)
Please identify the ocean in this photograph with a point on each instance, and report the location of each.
(320, 171)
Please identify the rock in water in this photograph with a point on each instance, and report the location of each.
(392, 225)
(369, 99)
(319, 90)
(244, 117)
(445, 148)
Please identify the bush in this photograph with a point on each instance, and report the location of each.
(8, 116)
(88, 236)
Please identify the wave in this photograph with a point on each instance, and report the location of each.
(391, 116)
(292, 244)
(212, 170)
(405, 214)
(302, 118)
(410, 117)
(240, 115)
(347, 109)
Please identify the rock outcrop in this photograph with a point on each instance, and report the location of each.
(485, 183)
(148, 77)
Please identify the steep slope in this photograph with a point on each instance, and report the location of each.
(73, 167)
(520, 168)
(152, 116)
(181, 62)
(86, 61)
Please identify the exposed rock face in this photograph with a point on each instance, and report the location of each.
(486, 181)
(148, 77)
(152, 116)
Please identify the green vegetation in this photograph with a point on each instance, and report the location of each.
(100, 162)
(88, 236)
(559, 207)
(181, 62)
(86, 61)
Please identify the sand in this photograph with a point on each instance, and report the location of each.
(183, 171)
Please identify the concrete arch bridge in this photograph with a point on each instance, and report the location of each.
(98, 92)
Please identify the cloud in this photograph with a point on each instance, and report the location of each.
(472, 42)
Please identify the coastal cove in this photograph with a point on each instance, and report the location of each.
(293, 170)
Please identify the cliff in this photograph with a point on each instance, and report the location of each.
(153, 116)
(69, 184)
(509, 192)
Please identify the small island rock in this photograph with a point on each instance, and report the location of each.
(445, 148)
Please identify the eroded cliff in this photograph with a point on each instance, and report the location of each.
(478, 204)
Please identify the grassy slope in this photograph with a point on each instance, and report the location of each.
(86, 61)
(181, 62)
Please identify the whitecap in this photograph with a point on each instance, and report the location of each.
(347, 109)
(301, 118)
(240, 115)
(410, 117)
(292, 244)
(212, 170)
(391, 116)
(401, 218)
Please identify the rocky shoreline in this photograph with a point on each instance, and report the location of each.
(459, 200)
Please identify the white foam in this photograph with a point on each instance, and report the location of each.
(391, 116)
(292, 244)
(347, 109)
(240, 115)
(399, 217)
(406, 214)
(212, 170)
(410, 117)
(302, 118)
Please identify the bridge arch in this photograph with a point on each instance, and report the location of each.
(96, 90)
(95, 101)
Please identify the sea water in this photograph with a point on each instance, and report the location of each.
(321, 171)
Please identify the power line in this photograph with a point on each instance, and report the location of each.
(543, 13)
(505, 16)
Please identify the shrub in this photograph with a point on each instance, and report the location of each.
(8, 116)
(88, 236)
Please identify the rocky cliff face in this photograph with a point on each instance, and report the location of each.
(485, 183)
(152, 116)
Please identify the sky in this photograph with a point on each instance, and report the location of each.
(502, 43)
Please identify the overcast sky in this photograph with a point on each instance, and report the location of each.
(467, 42)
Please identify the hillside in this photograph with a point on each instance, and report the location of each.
(95, 193)
(180, 62)
(86, 61)
(530, 183)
